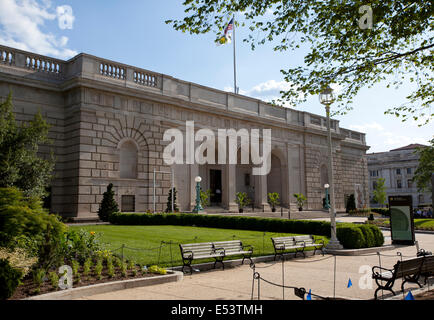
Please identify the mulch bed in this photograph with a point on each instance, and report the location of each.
(28, 288)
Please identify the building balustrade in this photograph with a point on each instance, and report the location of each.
(88, 66)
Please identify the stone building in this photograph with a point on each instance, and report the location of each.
(108, 120)
(397, 167)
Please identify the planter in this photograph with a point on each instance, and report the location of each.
(240, 210)
(273, 209)
(300, 209)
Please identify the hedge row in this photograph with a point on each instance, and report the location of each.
(382, 211)
(356, 236)
(351, 236)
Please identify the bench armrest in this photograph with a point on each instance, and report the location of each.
(189, 256)
(379, 269)
(304, 243)
(279, 246)
(222, 251)
(249, 247)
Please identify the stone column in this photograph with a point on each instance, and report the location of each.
(229, 186)
(261, 193)
(194, 172)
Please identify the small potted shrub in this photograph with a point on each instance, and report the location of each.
(273, 200)
(301, 199)
(242, 200)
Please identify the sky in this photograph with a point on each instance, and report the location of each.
(134, 32)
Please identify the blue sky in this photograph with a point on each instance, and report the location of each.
(133, 32)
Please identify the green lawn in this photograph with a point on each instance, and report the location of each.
(142, 243)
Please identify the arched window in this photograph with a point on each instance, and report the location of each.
(128, 160)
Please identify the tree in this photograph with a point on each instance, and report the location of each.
(348, 43)
(169, 201)
(425, 169)
(351, 203)
(20, 164)
(108, 204)
(380, 192)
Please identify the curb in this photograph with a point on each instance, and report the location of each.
(76, 293)
(354, 252)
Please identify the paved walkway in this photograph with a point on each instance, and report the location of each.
(315, 273)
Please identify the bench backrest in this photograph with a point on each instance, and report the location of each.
(229, 246)
(408, 267)
(428, 264)
(203, 248)
(306, 238)
(286, 241)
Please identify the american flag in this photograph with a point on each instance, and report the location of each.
(230, 26)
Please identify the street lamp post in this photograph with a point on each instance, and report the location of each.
(326, 98)
(327, 203)
(198, 206)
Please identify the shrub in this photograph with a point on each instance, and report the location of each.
(54, 279)
(38, 278)
(157, 269)
(350, 237)
(9, 279)
(108, 204)
(81, 245)
(273, 199)
(242, 199)
(169, 201)
(205, 197)
(87, 266)
(24, 220)
(75, 266)
(355, 236)
(301, 199)
(19, 259)
(98, 269)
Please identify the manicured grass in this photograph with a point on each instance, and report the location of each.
(142, 243)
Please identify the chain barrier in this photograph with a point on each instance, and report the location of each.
(300, 291)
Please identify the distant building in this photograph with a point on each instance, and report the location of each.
(397, 167)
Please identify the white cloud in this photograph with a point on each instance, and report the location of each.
(21, 23)
(265, 91)
(381, 140)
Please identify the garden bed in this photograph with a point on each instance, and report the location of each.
(29, 288)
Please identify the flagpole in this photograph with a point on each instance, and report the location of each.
(235, 66)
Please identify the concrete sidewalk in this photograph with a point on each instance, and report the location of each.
(315, 273)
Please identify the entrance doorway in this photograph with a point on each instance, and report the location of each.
(215, 184)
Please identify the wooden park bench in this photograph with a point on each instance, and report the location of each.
(409, 270)
(298, 243)
(234, 248)
(428, 267)
(216, 250)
